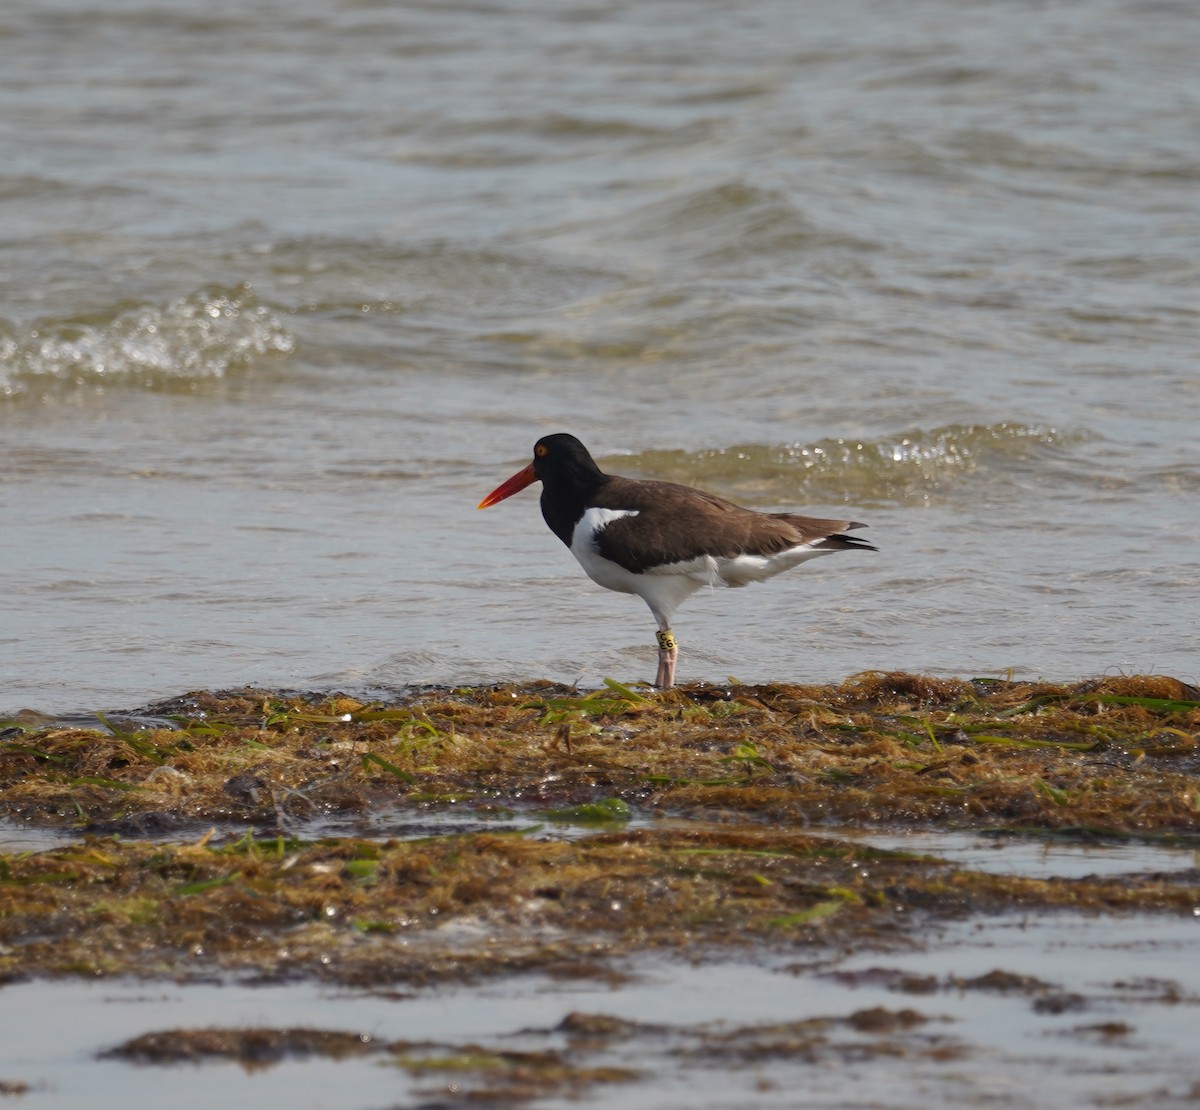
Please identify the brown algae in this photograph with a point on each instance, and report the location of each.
(748, 775)
(471, 1071)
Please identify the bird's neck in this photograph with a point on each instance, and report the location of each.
(564, 501)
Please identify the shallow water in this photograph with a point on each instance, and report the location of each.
(1031, 857)
(1113, 1016)
(997, 852)
(284, 292)
(1047, 858)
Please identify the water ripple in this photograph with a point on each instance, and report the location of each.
(202, 336)
(917, 465)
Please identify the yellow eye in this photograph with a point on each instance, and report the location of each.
(541, 450)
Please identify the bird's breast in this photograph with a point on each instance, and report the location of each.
(586, 548)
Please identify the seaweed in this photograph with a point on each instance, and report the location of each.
(608, 819)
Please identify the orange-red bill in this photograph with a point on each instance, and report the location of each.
(515, 484)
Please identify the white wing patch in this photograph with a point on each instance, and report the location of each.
(594, 521)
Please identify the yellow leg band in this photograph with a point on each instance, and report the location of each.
(666, 640)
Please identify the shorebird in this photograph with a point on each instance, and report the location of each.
(663, 541)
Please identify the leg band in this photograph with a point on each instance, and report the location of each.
(666, 640)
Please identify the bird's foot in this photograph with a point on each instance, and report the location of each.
(668, 652)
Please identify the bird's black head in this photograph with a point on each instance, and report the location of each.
(564, 466)
(569, 476)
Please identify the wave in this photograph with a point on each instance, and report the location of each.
(199, 337)
(919, 465)
(731, 221)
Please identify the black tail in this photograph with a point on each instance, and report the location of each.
(841, 542)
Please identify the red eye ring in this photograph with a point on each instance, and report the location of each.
(541, 450)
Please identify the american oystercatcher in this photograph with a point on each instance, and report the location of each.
(664, 541)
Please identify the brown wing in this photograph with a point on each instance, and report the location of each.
(675, 523)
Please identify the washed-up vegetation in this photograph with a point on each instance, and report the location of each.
(573, 1057)
(272, 836)
(499, 1074)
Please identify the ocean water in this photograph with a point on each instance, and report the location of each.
(286, 288)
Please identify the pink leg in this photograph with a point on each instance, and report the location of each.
(668, 652)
